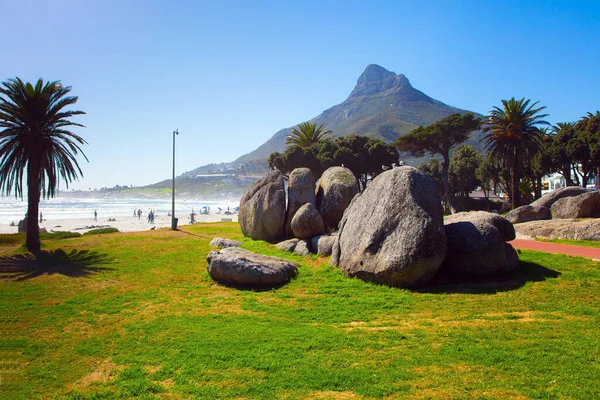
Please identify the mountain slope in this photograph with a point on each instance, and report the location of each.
(382, 105)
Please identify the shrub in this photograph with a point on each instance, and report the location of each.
(11, 238)
(101, 231)
(59, 235)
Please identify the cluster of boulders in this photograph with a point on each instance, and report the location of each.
(568, 202)
(311, 212)
(393, 233)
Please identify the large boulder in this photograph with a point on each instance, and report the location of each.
(323, 244)
(239, 267)
(262, 209)
(528, 213)
(477, 245)
(393, 233)
(334, 192)
(574, 229)
(301, 190)
(586, 205)
(549, 198)
(307, 222)
(222, 242)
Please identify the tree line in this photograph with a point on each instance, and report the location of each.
(520, 147)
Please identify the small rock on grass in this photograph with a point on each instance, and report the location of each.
(239, 267)
(221, 242)
(288, 245)
(302, 248)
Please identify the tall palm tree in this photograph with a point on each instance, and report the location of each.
(512, 136)
(36, 138)
(307, 134)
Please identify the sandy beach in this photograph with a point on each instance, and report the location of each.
(123, 224)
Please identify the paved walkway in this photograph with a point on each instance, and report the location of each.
(580, 251)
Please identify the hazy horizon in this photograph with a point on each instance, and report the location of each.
(228, 75)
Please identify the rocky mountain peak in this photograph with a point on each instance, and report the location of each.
(376, 79)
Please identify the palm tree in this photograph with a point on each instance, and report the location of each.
(590, 115)
(35, 139)
(306, 134)
(513, 136)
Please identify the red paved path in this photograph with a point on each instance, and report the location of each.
(581, 251)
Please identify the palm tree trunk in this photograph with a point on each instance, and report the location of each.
(32, 241)
(515, 193)
(449, 196)
(566, 173)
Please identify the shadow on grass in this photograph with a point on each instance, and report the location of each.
(75, 264)
(525, 272)
(192, 234)
(252, 288)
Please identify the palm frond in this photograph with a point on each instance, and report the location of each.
(307, 134)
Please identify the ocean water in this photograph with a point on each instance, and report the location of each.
(13, 210)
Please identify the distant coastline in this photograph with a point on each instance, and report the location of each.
(76, 207)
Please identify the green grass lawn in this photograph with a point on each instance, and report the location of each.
(586, 243)
(126, 315)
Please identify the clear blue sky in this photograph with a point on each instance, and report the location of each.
(229, 74)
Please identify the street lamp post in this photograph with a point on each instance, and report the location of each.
(173, 224)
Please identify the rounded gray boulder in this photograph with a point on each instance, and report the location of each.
(586, 205)
(334, 192)
(222, 242)
(239, 267)
(302, 248)
(551, 197)
(301, 190)
(393, 233)
(262, 209)
(477, 245)
(528, 213)
(288, 245)
(323, 244)
(307, 222)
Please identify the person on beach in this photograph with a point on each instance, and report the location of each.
(140, 213)
(192, 219)
(95, 215)
(41, 217)
(134, 213)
